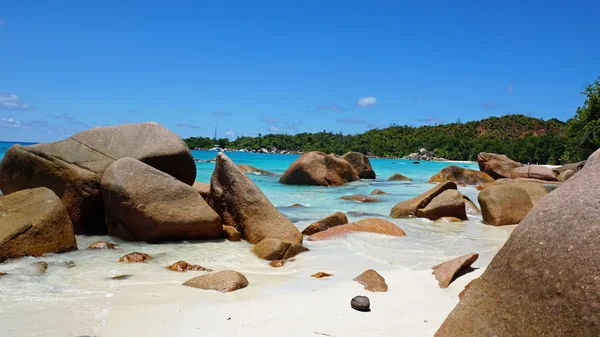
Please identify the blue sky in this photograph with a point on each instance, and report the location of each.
(253, 67)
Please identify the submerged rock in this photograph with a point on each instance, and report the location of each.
(361, 165)
(242, 205)
(223, 281)
(73, 167)
(102, 245)
(446, 272)
(41, 266)
(372, 281)
(377, 192)
(183, 266)
(251, 169)
(361, 303)
(504, 204)
(370, 225)
(335, 219)
(145, 204)
(276, 249)
(359, 198)
(319, 169)
(321, 274)
(461, 175)
(399, 177)
(135, 257)
(544, 281)
(277, 263)
(34, 223)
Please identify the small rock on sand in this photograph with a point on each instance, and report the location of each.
(184, 266)
(361, 303)
(102, 245)
(321, 275)
(446, 271)
(135, 257)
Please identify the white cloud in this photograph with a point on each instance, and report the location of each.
(231, 133)
(10, 123)
(273, 128)
(366, 101)
(12, 102)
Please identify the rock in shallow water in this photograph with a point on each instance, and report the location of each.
(361, 164)
(319, 169)
(408, 208)
(135, 257)
(461, 175)
(361, 303)
(399, 177)
(504, 204)
(335, 219)
(32, 223)
(231, 233)
(276, 249)
(370, 225)
(277, 263)
(359, 198)
(223, 281)
(183, 266)
(102, 245)
(448, 203)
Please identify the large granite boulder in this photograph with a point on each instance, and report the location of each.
(535, 190)
(449, 203)
(361, 164)
(536, 172)
(32, 223)
(202, 188)
(545, 279)
(370, 225)
(505, 204)
(73, 167)
(335, 219)
(145, 204)
(408, 208)
(318, 168)
(461, 175)
(496, 165)
(242, 205)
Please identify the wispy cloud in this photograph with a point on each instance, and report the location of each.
(430, 120)
(368, 101)
(489, 105)
(11, 102)
(332, 107)
(273, 128)
(9, 123)
(270, 120)
(231, 133)
(188, 126)
(62, 115)
(221, 112)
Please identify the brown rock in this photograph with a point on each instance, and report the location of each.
(447, 219)
(504, 204)
(182, 266)
(574, 167)
(231, 233)
(223, 281)
(377, 192)
(564, 176)
(277, 263)
(135, 257)
(372, 281)
(461, 175)
(202, 188)
(361, 164)
(276, 249)
(242, 205)
(73, 167)
(536, 172)
(33, 223)
(320, 169)
(470, 206)
(41, 267)
(462, 293)
(359, 198)
(102, 245)
(335, 219)
(446, 272)
(399, 177)
(2, 274)
(321, 275)
(370, 225)
(251, 169)
(296, 205)
(497, 165)
(447, 203)
(145, 204)
(409, 207)
(544, 281)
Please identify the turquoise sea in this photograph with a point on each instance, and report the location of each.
(83, 292)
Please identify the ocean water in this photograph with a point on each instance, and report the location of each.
(78, 283)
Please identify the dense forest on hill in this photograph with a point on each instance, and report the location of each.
(522, 138)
